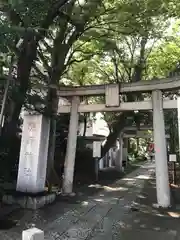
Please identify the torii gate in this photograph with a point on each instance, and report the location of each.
(113, 103)
(33, 161)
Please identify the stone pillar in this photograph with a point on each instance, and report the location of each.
(119, 156)
(33, 154)
(71, 147)
(106, 158)
(162, 181)
(101, 163)
(110, 160)
(33, 234)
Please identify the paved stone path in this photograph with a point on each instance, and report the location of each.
(107, 215)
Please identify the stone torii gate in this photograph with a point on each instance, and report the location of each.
(111, 92)
(112, 103)
(140, 132)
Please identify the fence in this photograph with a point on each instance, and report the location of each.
(33, 234)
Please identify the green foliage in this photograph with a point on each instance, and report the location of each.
(86, 42)
(130, 42)
(164, 59)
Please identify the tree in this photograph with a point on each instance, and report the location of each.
(164, 59)
(75, 42)
(164, 62)
(41, 33)
(121, 53)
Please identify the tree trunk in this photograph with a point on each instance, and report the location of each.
(173, 131)
(122, 119)
(117, 128)
(51, 111)
(51, 176)
(59, 53)
(24, 64)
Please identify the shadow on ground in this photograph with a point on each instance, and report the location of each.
(123, 205)
(106, 177)
(13, 214)
(148, 222)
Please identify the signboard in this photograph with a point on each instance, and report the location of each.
(33, 154)
(112, 95)
(96, 149)
(172, 158)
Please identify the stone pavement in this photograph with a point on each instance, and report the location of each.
(122, 210)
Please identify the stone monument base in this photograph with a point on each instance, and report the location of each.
(29, 201)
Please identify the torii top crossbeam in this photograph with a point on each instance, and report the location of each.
(163, 84)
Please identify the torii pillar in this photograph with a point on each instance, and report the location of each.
(162, 178)
(71, 147)
(119, 155)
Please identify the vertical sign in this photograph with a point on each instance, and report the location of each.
(112, 95)
(33, 154)
(96, 155)
(28, 154)
(172, 158)
(96, 149)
